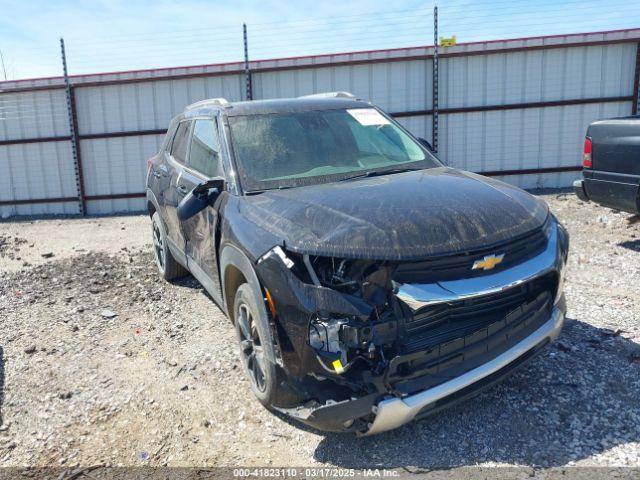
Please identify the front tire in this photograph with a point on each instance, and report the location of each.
(167, 265)
(256, 350)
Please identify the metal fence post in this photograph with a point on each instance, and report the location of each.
(434, 117)
(247, 72)
(73, 130)
(636, 83)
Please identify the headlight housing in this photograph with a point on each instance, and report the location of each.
(562, 253)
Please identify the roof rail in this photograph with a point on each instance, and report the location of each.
(222, 102)
(330, 95)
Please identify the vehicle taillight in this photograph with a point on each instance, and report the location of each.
(586, 156)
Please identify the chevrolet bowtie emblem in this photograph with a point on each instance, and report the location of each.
(488, 263)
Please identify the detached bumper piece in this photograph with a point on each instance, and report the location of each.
(394, 412)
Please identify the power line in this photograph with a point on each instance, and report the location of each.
(171, 38)
(334, 34)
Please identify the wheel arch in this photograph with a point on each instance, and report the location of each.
(152, 203)
(236, 269)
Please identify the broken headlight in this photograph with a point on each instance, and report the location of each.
(325, 334)
(325, 337)
(338, 342)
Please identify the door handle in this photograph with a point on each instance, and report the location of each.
(182, 189)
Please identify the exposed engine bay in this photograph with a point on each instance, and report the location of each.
(342, 342)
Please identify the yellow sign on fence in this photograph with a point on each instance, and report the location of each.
(447, 42)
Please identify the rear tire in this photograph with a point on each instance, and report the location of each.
(167, 265)
(268, 382)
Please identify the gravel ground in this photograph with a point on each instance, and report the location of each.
(104, 363)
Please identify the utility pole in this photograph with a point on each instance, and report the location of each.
(636, 84)
(73, 130)
(247, 72)
(4, 70)
(434, 117)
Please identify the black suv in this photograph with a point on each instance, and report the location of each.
(369, 284)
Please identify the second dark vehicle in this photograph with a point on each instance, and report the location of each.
(368, 284)
(611, 164)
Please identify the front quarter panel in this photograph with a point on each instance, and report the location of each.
(249, 238)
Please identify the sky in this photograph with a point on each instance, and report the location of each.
(114, 35)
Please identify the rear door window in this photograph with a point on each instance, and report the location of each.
(180, 143)
(204, 154)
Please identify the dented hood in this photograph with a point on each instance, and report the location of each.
(403, 216)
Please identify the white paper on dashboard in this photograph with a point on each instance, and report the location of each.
(368, 116)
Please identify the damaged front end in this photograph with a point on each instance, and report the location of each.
(356, 336)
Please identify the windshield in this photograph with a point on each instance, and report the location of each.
(319, 146)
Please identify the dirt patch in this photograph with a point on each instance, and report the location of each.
(36, 242)
(10, 247)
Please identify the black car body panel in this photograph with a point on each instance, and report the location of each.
(340, 254)
(613, 180)
(403, 216)
(616, 145)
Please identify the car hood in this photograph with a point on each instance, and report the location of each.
(402, 216)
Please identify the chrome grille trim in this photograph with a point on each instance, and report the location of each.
(417, 296)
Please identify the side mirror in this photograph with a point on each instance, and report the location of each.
(199, 198)
(425, 143)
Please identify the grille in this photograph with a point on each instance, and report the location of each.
(437, 324)
(455, 267)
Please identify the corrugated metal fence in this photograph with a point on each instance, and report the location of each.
(515, 109)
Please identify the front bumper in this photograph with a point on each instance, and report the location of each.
(373, 413)
(394, 412)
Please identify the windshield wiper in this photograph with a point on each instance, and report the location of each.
(279, 187)
(377, 173)
(371, 173)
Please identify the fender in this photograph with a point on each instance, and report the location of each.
(151, 197)
(232, 256)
